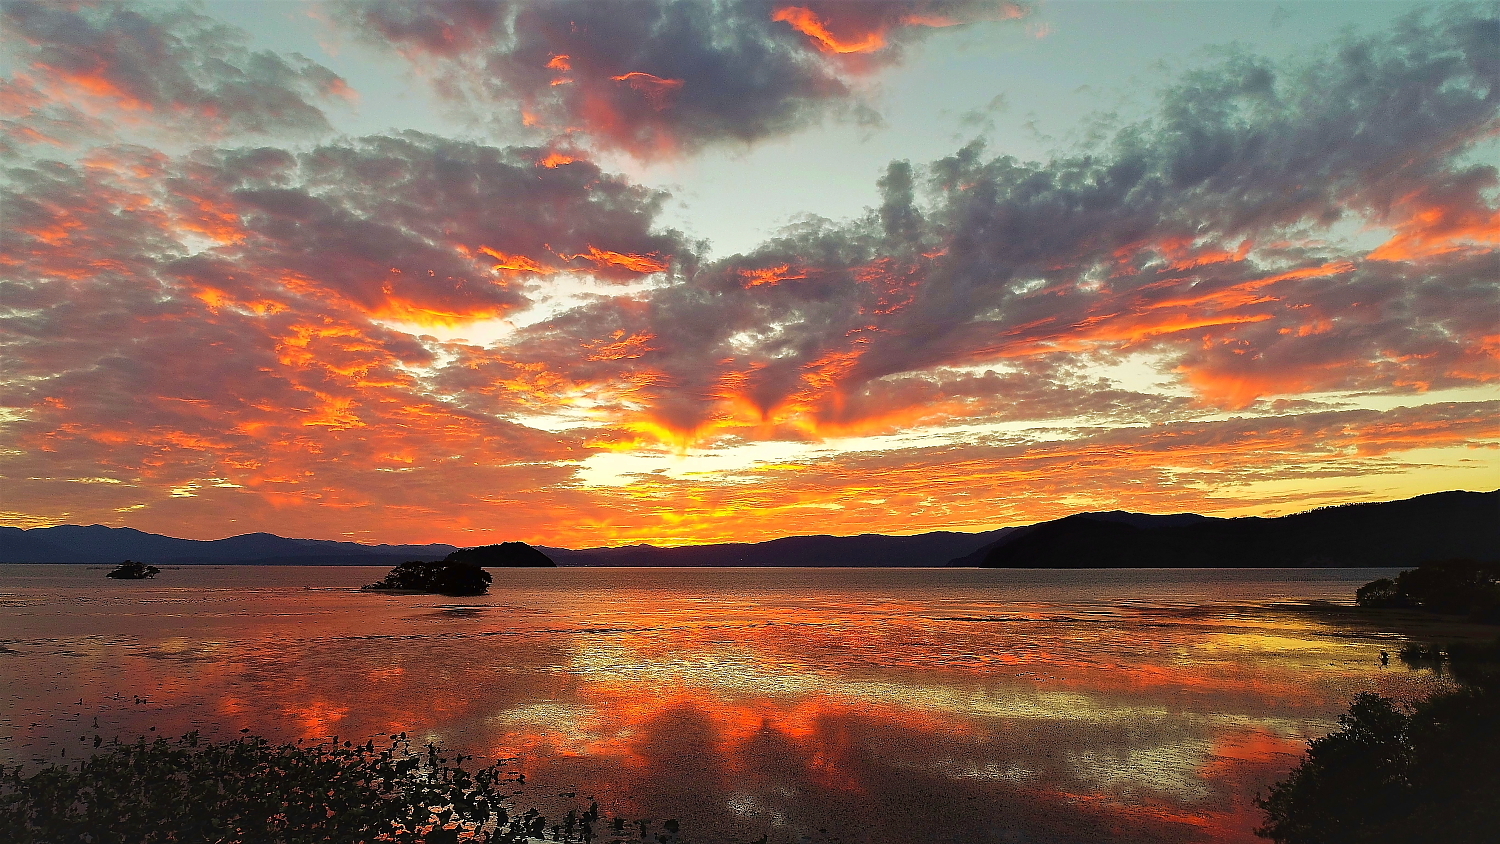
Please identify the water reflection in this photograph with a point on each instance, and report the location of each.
(878, 706)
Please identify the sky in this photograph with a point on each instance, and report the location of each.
(588, 273)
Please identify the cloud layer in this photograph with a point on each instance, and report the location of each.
(159, 67)
(658, 77)
(1254, 290)
(221, 318)
(1204, 237)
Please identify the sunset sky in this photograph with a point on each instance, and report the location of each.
(595, 273)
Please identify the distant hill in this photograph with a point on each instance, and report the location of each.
(97, 544)
(869, 549)
(1395, 533)
(1405, 533)
(504, 555)
(1008, 535)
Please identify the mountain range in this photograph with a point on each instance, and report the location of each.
(1394, 533)
(98, 544)
(1441, 526)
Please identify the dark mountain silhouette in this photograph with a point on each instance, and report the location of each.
(97, 544)
(870, 549)
(506, 554)
(22, 546)
(1142, 520)
(1388, 534)
(1396, 534)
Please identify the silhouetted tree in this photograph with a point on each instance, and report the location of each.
(132, 570)
(461, 573)
(441, 577)
(1394, 776)
(1380, 593)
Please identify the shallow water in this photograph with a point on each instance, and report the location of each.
(877, 705)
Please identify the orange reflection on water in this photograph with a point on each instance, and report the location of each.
(885, 706)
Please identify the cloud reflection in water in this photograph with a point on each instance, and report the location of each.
(882, 706)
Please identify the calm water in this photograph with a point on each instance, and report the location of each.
(879, 705)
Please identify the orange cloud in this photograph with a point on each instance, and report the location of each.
(1432, 229)
(770, 275)
(555, 159)
(653, 88)
(605, 259)
(515, 263)
(808, 23)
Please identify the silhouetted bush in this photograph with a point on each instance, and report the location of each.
(441, 577)
(1380, 593)
(132, 570)
(1393, 776)
(1459, 587)
(462, 572)
(253, 792)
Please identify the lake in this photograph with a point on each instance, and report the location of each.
(853, 705)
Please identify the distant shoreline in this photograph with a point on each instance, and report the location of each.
(216, 564)
(1391, 534)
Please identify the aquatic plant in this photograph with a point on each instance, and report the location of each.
(249, 790)
(461, 573)
(443, 577)
(132, 570)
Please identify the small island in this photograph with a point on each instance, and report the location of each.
(132, 570)
(462, 572)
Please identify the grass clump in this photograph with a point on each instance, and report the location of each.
(249, 791)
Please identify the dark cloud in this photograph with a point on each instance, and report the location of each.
(1202, 236)
(419, 227)
(162, 67)
(409, 226)
(661, 76)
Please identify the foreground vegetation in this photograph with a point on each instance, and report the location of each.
(1397, 775)
(249, 791)
(1394, 776)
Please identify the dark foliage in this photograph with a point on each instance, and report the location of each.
(1393, 776)
(132, 570)
(461, 573)
(441, 577)
(1393, 533)
(1458, 587)
(1380, 593)
(249, 790)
